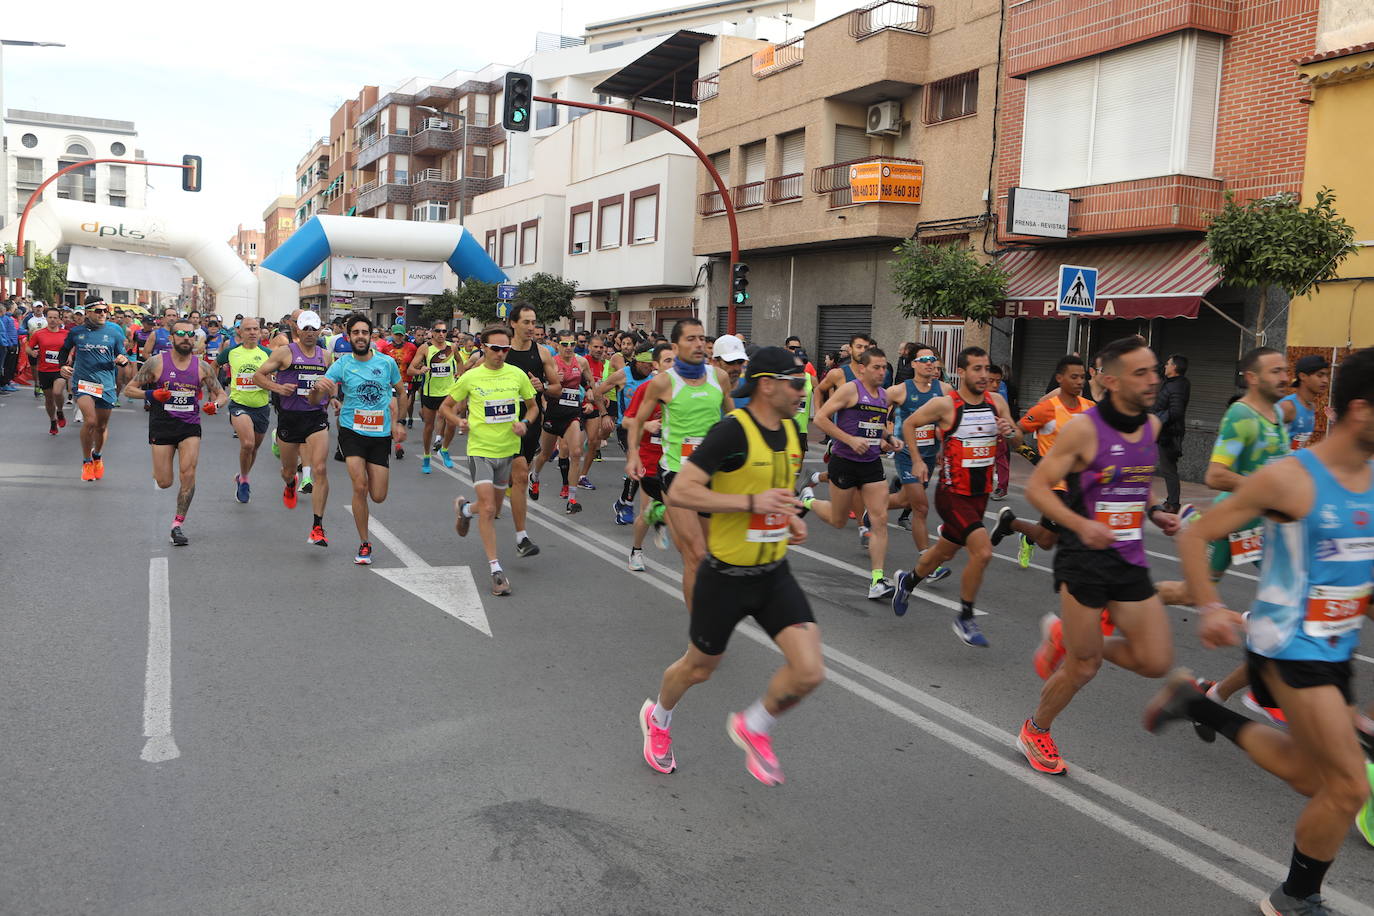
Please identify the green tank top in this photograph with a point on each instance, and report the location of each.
(243, 362)
(801, 417)
(439, 377)
(688, 415)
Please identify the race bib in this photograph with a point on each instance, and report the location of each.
(1334, 610)
(1247, 545)
(571, 397)
(980, 453)
(767, 528)
(871, 429)
(181, 402)
(91, 388)
(925, 435)
(305, 382)
(50, 356)
(441, 370)
(369, 420)
(1126, 519)
(1300, 441)
(499, 411)
(244, 382)
(689, 444)
(655, 439)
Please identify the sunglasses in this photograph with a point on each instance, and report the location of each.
(927, 359)
(565, 343)
(797, 383)
(498, 348)
(183, 333)
(99, 311)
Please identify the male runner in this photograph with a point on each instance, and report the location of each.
(491, 391)
(1100, 564)
(1300, 407)
(45, 345)
(437, 365)
(692, 394)
(626, 381)
(160, 340)
(836, 377)
(99, 351)
(562, 420)
(302, 425)
(403, 351)
(369, 385)
(859, 438)
(916, 461)
(171, 383)
(533, 360)
(1303, 627)
(597, 421)
(650, 454)
(249, 412)
(742, 473)
(972, 418)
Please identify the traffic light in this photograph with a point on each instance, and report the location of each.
(739, 282)
(515, 113)
(190, 175)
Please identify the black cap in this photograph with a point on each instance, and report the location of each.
(1313, 363)
(768, 361)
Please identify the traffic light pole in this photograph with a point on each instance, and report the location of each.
(705, 160)
(33, 198)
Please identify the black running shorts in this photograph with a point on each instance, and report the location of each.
(163, 430)
(558, 421)
(1298, 674)
(1097, 578)
(47, 379)
(431, 402)
(295, 426)
(372, 449)
(846, 474)
(722, 599)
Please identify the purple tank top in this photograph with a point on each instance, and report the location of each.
(866, 419)
(1115, 488)
(301, 375)
(185, 387)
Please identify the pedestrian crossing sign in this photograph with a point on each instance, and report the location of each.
(1077, 290)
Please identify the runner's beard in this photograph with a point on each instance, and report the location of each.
(359, 350)
(183, 347)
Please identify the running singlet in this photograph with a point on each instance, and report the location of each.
(49, 346)
(867, 420)
(440, 373)
(1046, 419)
(688, 415)
(570, 377)
(753, 538)
(404, 355)
(970, 448)
(1114, 489)
(185, 387)
(632, 383)
(926, 439)
(1303, 425)
(1315, 585)
(162, 341)
(214, 344)
(494, 399)
(93, 370)
(650, 444)
(803, 416)
(365, 387)
(243, 364)
(1246, 442)
(301, 375)
(528, 361)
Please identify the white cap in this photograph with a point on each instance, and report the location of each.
(308, 320)
(728, 348)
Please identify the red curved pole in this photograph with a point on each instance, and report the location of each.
(33, 198)
(711, 169)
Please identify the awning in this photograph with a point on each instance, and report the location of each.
(664, 73)
(1143, 280)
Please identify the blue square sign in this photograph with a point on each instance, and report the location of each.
(505, 292)
(1077, 290)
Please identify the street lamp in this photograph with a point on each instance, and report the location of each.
(462, 158)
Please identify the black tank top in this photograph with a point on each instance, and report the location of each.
(530, 362)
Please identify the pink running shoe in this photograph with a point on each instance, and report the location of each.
(658, 742)
(758, 751)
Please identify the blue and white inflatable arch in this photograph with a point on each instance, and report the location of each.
(280, 275)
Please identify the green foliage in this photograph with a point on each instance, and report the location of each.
(946, 281)
(1274, 242)
(440, 307)
(46, 280)
(550, 295)
(477, 300)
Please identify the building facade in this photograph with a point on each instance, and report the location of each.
(278, 222)
(249, 245)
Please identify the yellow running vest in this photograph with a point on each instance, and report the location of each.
(754, 539)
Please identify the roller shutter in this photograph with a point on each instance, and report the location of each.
(744, 321)
(836, 324)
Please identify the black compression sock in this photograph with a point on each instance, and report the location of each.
(319, 521)
(1305, 875)
(1223, 721)
(628, 489)
(563, 465)
(965, 610)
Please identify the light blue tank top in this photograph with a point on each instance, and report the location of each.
(915, 399)
(1304, 423)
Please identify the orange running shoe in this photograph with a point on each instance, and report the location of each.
(88, 470)
(1108, 628)
(288, 495)
(1040, 750)
(1050, 653)
(99, 465)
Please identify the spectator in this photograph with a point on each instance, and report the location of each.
(9, 347)
(1171, 406)
(904, 369)
(794, 344)
(1002, 467)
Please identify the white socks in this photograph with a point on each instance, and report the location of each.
(467, 510)
(496, 566)
(662, 717)
(757, 719)
(520, 536)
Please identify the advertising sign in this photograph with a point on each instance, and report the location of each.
(374, 275)
(763, 59)
(889, 182)
(1042, 213)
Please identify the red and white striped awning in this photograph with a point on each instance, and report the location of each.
(1141, 280)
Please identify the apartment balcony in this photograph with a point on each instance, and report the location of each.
(832, 181)
(375, 146)
(437, 136)
(748, 196)
(706, 87)
(785, 188)
(1168, 203)
(386, 188)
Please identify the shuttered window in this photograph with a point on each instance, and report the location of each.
(644, 218)
(581, 240)
(793, 152)
(836, 324)
(744, 320)
(753, 163)
(608, 227)
(721, 161)
(850, 143)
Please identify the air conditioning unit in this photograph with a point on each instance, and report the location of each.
(885, 118)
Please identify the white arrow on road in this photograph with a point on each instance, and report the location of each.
(449, 588)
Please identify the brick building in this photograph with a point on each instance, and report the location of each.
(248, 245)
(278, 222)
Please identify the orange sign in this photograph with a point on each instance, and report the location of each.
(764, 58)
(890, 182)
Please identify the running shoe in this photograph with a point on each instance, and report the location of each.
(317, 537)
(98, 468)
(276, 446)
(636, 559)
(563, 493)
(88, 470)
(52, 427)
(573, 506)
(1050, 653)
(658, 742)
(526, 548)
(999, 494)
(1040, 750)
(364, 557)
(863, 537)
(758, 751)
(1272, 714)
(307, 484)
(904, 520)
(61, 421)
(288, 494)
(969, 633)
(464, 523)
(624, 513)
(338, 453)
(584, 482)
(241, 489)
(1003, 527)
(435, 445)
(1364, 821)
(424, 465)
(1280, 904)
(941, 572)
(864, 523)
(1366, 739)
(1209, 690)
(500, 585)
(178, 538)
(445, 457)
(654, 514)
(904, 585)
(400, 451)
(1171, 703)
(1025, 552)
(534, 489)
(879, 590)
(76, 418)
(662, 539)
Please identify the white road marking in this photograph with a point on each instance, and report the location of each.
(157, 679)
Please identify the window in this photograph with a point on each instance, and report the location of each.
(644, 215)
(507, 247)
(850, 143)
(118, 200)
(498, 160)
(29, 141)
(546, 115)
(491, 244)
(430, 211)
(721, 161)
(608, 222)
(117, 149)
(529, 242)
(119, 297)
(1139, 112)
(118, 177)
(479, 162)
(793, 152)
(951, 98)
(29, 170)
(481, 110)
(580, 236)
(77, 149)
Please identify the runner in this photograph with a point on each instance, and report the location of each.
(99, 351)
(490, 392)
(626, 382)
(838, 376)
(160, 340)
(742, 473)
(1300, 407)
(692, 394)
(171, 383)
(302, 425)
(361, 380)
(650, 454)
(1108, 457)
(1303, 628)
(537, 364)
(437, 366)
(971, 419)
(1045, 420)
(249, 412)
(562, 426)
(403, 351)
(45, 346)
(597, 423)
(859, 438)
(916, 461)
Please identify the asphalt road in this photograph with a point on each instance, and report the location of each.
(327, 741)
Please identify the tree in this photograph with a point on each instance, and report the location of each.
(1274, 242)
(946, 281)
(476, 300)
(550, 295)
(46, 280)
(440, 307)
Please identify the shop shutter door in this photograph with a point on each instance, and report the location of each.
(836, 324)
(1212, 346)
(794, 152)
(850, 143)
(744, 321)
(1039, 346)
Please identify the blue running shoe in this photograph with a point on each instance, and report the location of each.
(241, 490)
(445, 458)
(424, 465)
(906, 583)
(941, 572)
(970, 633)
(624, 513)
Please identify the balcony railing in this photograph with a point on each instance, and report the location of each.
(748, 195)
(834, 179)
(430, 175)
(776, 58)
(435, 124)
(711, 203)
(368, 186)
(895, 15)
(707, 87)
(785, 187)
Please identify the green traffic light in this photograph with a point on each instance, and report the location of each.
(518, 116)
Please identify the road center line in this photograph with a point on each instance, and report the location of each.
(157, 680)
